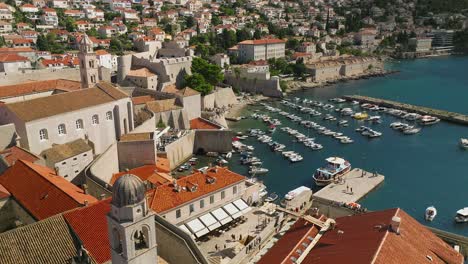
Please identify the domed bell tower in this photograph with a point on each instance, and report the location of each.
(89, 73)
(131, 226)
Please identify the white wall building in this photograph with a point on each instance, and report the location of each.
(100, 114)
(261, 49)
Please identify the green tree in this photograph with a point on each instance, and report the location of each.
(116, 46)
(92, 32)
(229, 38)
(189, 22)
(212, 73)
(215, 20)
(197, 82)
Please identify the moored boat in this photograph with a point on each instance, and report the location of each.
(430, 213)
(464, 143)
(462, 215)
(428, 120)
(271, 197)
(336, 167)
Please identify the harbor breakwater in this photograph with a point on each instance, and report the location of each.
(442, 114)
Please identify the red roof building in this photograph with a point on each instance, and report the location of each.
(146, 173)
(11, 57)
(172, 198)
(11, 155)
(42, 192)
(262, 41)
(365, 238)
(201, 123)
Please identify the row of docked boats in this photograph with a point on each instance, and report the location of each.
(321, 129)
(299, 137)
(421, 119)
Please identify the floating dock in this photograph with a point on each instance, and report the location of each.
(355, 185)
(444, 115)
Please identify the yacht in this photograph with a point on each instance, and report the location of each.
(271, 198)
(346, 141)
(462, 215)
(295, 158)
(428, 120)
(335, 167)
(464, 143)
(255, 170)
(374, 119)
(360, 116)
(431, 213)
(411, 130)
(374, 134)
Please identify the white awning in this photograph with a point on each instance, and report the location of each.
(197, 227)
(232, 210)
(242, 206)
(186, 230)
(209, 221)
(221, 216)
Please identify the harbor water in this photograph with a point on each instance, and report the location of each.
(420, 170)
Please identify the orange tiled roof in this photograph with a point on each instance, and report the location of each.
(172, 199)
(42, 192)
(142, 72)
(11, 57)
(4, 193)
(163, 164)
(38, 86)
(21, 41)
(186, 91)
(201, 123)
(137, 100)
(11, 155)
(145, 173)
(262, 41)
(101, 52)
(90, 225)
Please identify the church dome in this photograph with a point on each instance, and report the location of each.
(128, 190)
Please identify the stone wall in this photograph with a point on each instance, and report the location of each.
(10, 212)
(175, 246)
(213, 141)
(104, 166)
(133, 154)
(270, 88)
(221, 97)
(39, 75)
(180, 150)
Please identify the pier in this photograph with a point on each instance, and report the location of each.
(442, 114)
(356, 185)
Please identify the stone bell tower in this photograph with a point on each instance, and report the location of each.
(131, 225)
(88, 63)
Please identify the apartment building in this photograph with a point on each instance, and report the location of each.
(261, 49)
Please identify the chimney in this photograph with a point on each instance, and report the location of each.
(85, 202)
(102, 196)
(395, 224)
(85, 188)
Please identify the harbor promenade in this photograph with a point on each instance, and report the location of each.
(355, 185)
(444, 115)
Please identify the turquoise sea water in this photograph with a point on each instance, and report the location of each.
(421, 170)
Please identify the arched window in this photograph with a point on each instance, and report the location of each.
(140, 238)
(79, 124)
(95, 119)
(109, 115)
(61, 129)
(43, 135)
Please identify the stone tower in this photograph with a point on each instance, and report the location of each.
(88, 63)
(131, 226)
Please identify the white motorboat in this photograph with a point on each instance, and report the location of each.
(271, 197)
(346, 141)
(464, 143)
(462, 215)
(343, 122)
(411, 130)
(430, 213)
(295, 158)
(428, 120)
(255, 170)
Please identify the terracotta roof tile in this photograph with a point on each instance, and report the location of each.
(173, 199)
(142, 72)
(38, 86)
(11, 57)
(11, 155)
(184, 92)
(90, 225)
(146, 173)
(42, 192)
(4, 193)
(137, 100)
(136, 137)
(201, 123)
(65, 102)
(262, 41)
